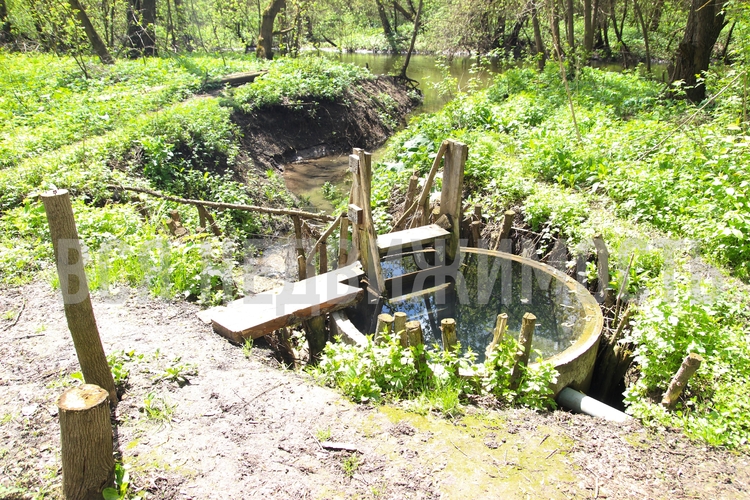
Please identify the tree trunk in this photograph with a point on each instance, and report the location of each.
(75, 291)
(93, 36)
(141, 16)
(88, 465)
(264, 49)
(555, 23)
(588, 26)
(417, 21)
(409, 16)
(570, 23)
(541, 53)
(512, 42)
(704, 24)
(656, 16)
(644, 30)
(387, 30)
(6, 35)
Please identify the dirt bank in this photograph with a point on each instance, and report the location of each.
(238, 426)
(364, 117)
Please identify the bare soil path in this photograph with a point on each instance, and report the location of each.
(204, 419)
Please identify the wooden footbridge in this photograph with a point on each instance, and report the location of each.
(359, 274)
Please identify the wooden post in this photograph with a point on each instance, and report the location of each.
(605, 293)
(448, 327)
(522, 356)
(315, 333)
(298, 244)
(368, 248)
(497, 335)
(475, 233)
(301, 267)
(384, 326)
(689, 366)
(75, 292)
(507, 224)
(323, 258)
(344, 242)
(414, 333)
(411, 192)
(399, 327)
(88, 465)
(450, 197)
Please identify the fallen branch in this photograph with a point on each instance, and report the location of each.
(228, 206)
(15, 321)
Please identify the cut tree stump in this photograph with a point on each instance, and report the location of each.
(88, 465)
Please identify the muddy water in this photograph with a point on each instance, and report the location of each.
(306, 178)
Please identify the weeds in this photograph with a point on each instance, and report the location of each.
(157, 408)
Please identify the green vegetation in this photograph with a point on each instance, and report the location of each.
(645, 170)
(157, 408)
(429, 378)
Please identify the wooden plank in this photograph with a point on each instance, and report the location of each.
(410, 238)
(263, 313)
(346, 329)
(419, 293)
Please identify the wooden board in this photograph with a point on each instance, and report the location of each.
(287, 305)
(409, 238)
(346, 329)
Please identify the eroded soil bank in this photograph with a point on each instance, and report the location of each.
(203, 419)
(364, 117)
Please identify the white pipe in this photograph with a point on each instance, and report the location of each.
(580, 403)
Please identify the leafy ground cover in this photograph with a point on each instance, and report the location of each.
(662, 181)
(141, 123)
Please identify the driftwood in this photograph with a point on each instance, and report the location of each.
(228, 206)
(237, 79)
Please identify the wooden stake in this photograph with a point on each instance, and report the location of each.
(497, 335)
(384, 326)
(298, 244)
(368, 248)
(522, 356)
(689, 366)
(75, 291)
(301, 267)
(414, 333)
(507, 224)
(448, 328)
(399, 327)
(344, 242)
(409, 205)
(315, 332)
(205, 216)
(475, 233)
(323, 259)
(88, 465)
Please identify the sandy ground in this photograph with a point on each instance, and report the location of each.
(231, 423)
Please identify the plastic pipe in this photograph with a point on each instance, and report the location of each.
(580, 403)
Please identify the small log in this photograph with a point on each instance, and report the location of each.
(399, 327)
(501, 324)
(525, 338)
(507, 224)
(343, 241)
(323, 258)
(384, 326)
(690, 365)
(448, 329)
(75, 291)
(88, 465)
(414, 333)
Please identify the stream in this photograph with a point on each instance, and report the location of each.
(306, 178)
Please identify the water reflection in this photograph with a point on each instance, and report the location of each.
(479, 289)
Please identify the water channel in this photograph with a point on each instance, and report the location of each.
(306, 178)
